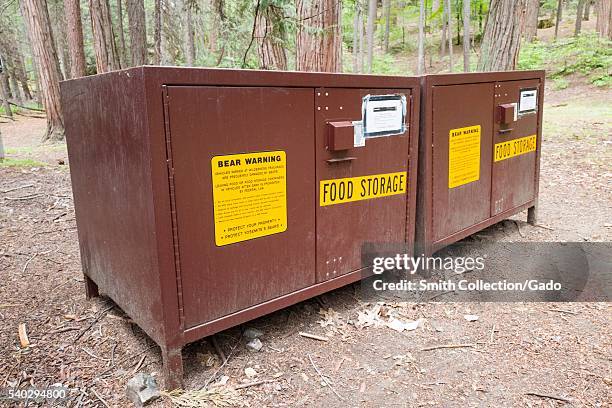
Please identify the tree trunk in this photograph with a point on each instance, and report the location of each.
(319, 50)
(558, 23)
(387, 11)
(6, 86)
(138, 32)
(372, 6)
(105, 50)
(123, 58)
(421, 41)
(1, 147)
(38, 25)
(579, 12)
(361, 35)
(17, 95)
(157, 33)
(587, 10)
(74, 36)
(356, 29)
(531, 20)
(189, 35)
(466, 35)
(270, 47)
(4, 95)
(502, 37)
(449, 35)
(59, 28)
(604, 18)
(443, 32)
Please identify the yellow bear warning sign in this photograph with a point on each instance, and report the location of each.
(249, 195)
(463, 156)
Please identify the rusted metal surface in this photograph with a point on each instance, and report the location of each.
(504, 188)
(140, 148)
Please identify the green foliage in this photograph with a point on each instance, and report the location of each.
(604, 81)
(586, 54)
(10, 162)
(387, 65)
(560, 83)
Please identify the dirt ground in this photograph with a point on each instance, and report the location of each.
(515, 354)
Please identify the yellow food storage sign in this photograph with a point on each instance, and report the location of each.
(249, 195)
(514, 147)
(346, 190)
(463, 156)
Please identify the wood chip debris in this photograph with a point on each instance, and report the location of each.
(23, 336)
(313, 336)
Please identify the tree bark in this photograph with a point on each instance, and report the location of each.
(559, 12)
(58, 26)
(387, 11)
(579, 13)
(502, 37)
(449, 34)
(105, 49)
(466, 35)
(531, 19)
(372, 6)
(74, 36)
(356, 28)
(270, 39)
(190, 52)
(17, 95)
(361, 36)
(4, 94)
(157, 33)
(1, 147)
(319, 50)
(421, 41)
(38, 25)
(443, 31)
(604, 18)
(123, 57)
(138, 32)
(587, 10)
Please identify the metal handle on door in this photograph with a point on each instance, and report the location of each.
(502, 131)
(340, 160)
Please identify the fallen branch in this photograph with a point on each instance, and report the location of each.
(553, 397)
(563, 311)
(518, 228)
(139, 365)
(23, 197)
(100, 398)
(25, 107)
(447, 346)
(223, 364)
(16, 188)
(325, 380)
(253, 384)
(215, 343)
(90, 325)
(543, 226)
(313, 336)
(30, 116)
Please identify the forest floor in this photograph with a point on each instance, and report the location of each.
(519, 354)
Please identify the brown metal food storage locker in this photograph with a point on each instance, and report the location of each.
(479, 152)
(205, 198)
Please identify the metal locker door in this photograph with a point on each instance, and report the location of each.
(461, 171)
(515, 141)
(344, 227)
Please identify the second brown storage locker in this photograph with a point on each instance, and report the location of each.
(479, 152)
